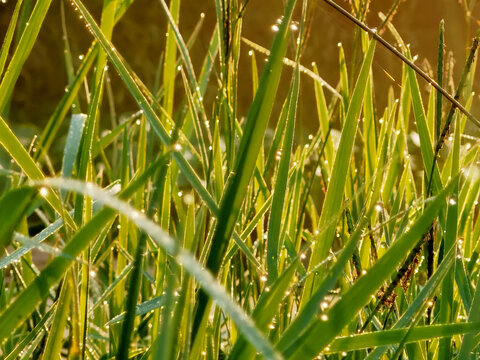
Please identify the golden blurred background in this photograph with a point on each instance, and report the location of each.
(140, 36)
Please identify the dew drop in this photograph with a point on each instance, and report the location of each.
(43, 192)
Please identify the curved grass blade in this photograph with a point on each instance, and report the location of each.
(190, 264)
(13, 146)
(395, 336)
(141, 309)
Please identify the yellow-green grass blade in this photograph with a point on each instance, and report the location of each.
(18, 153)
(54, 342)
(333, 320)
(426, 145)
(22, 51)
(280, 188)
(7, 40)
(395, 336)
(449, 242)
(335, 191)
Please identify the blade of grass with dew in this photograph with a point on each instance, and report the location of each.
(422, 128)
(22, 51)
(280, 188)
(54, 341)
(188, 262)
(18, 153)
(473, 316)
(72, 144)
(345, 91)
(304, 70)
(387, 337)
(141, 309)
(449, 240)
(340, 314)
(37, 239)
(38, 330)
(340, 167)
(7, 40)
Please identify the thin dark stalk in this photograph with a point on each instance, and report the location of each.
(402, 57)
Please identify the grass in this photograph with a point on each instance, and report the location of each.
(184, 232)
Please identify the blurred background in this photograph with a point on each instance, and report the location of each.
(140, 37)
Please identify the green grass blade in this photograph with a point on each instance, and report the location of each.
(72, 144)
(388, 337)
(54, 342)
(22, 51)
(340, 168)
(7, 40)
(141, 309)
(280, 187)
(13, 146)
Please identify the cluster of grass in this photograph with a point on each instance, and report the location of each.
(182, 232)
